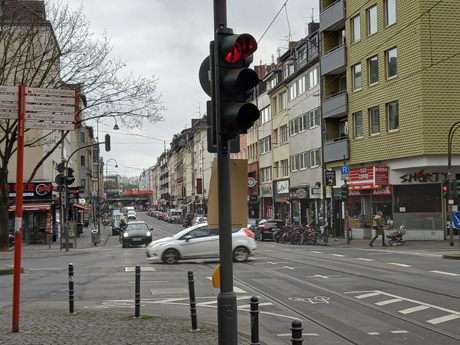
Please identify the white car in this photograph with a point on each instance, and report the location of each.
(131, 215)
(199, 242)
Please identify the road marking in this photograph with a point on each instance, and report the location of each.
(388, 301)
(398, 264)
(373, 333)
(399, 332)
(446, 273)
(281, 335)
(443, 319)
(238, 290)
(324, 277)
(413, 309)
(339, 255)
(143, 269)
(314, 251)
(287, 267)
(365, 259)
(275, 263)
(372, 294)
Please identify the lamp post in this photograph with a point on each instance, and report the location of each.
(107, 174)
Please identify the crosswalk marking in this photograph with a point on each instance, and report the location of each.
(413, 309)
(365, 259)
(368, 295)
(398, 264)
(339, 255)
(388, 301)
(443, 319)
(446, 273)
(399, 332)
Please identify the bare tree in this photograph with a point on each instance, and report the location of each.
(50, 45)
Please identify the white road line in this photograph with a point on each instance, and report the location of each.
(314, 251)
(303, 334)
(238, 290)
(339, 255)
(373, 333)
(446, 273)
(413, 309)
(443, 319)
(399, 332)
(365, 259)
(388, 301)
(397, 264)
(143, 269)
(372, 294)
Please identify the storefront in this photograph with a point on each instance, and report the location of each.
(266, 201)
(299, 198)
(38, 211)
(282, 204)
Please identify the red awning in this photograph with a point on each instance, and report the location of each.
(32, 208)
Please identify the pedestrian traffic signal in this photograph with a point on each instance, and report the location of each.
(344, 191)
(454, 189)
(69, 178)
(445, 189)
(233, 55)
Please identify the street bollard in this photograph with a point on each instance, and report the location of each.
(254, 320)
(137, 293)
(71, 291)
(296, 332)
(191, 290)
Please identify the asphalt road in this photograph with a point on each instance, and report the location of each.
(342, 295)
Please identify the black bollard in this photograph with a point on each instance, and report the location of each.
(254, 320)
(191, 291)
(71, 291)
(137, 293)
(296, 332)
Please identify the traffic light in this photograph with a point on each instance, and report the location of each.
(344, 191)
(60, 179)
(70, 178)
(107, 142)
(233, 55)
(454, 190)
(445, 189)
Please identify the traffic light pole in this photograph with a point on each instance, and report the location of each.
(451, 213)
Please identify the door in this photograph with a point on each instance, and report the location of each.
(202, 242)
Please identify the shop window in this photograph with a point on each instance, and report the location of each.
(413, 198)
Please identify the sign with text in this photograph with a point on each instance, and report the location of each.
(50, 126)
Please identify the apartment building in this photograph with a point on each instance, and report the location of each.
(390, 84)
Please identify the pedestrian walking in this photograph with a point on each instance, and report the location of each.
(377, 224)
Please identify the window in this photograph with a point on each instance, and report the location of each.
(292, 91)
(265, 145)
(303, 122)
(390, 12)
(285, 167)
(373, 65)
(284, 134)
(274, 106)
(355, 29)
(266, 174)
(283, 101)
(294, 126)
(393, 116)
(275, 170)
(303, 160)
(374, 120)
(392, 62)
(82, 161)
(265, 115)
(294, 162)
(314, 117)
(301, 55)
(315, 158)
(372, 20)
(83, 183)
(301, 85)
(275, 140)
(356, 77)
(82, 137)
(358, 124)
(343, 128)
(312, 78)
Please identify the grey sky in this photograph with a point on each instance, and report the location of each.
(169, 39)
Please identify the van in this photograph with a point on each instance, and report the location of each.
(126, 209)
(175, 216)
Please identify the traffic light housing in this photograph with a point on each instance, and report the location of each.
(445, 189)
(107, 142)
(233, 81)
(60, 179)
(454, 190)
(344, 191)
(69, 178)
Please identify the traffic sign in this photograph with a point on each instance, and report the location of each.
(8, 98)
(9, 116)
(457, 220)
(345, 169)
(50, 126)
(48, 117)
(10, 89)
(51, 108)
(49, 92)
(9, 106)
(49, 100)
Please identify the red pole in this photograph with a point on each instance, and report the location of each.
(18, 219)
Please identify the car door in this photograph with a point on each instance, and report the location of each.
(199, 243)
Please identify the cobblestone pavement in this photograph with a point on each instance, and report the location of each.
(46, 327)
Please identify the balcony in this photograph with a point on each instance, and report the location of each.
(336, 105)
(336, 149)
(333, 17)
(334, 61)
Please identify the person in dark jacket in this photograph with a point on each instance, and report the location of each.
(379, 231)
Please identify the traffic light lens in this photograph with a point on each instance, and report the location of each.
(243, 47)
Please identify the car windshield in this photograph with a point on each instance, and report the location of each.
(275, 224)
(134, 227)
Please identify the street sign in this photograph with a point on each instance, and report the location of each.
(10, 89)
(9, 106)
(48, 117)
(8, 98)
(50, 100)
(49, 92)
(345, 169)
(457, 220)
(9, 116)
(330, 178)
(51, 108)
(344, 176)
(50, 126)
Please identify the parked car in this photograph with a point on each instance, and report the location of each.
(198, 242)
(136, 233)
(266, 228)
(199, 219)
(252, 223)
(188, 219)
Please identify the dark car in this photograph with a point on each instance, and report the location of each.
(266, 228)
(136, 233)
(252, 223)
(188, 219)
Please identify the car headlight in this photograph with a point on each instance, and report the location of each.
(153, 245)
(148, 234)
(125, 234)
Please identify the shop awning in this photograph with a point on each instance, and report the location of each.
(35, 207)
(81, 207)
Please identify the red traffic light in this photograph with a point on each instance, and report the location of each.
(445, 189)
(238, 47)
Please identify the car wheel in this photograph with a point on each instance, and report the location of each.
(170, 256)
(240, 254)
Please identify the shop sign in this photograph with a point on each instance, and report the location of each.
(385, 190)
(363, 186)
(354, 193)
(266, 191)
(33, 191)
(282, 187)
(330, 178)
(251, 182)
(377, 174)
(253, 198)
(422, 176)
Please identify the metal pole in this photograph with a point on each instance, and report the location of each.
(254, 320)
(191, 291)
(137, 293)
(346, 211)
(451, 213)
(71, 291)
(296, 332)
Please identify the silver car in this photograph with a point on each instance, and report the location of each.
(199, 242)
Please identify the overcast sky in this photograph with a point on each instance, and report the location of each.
(169, 39)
